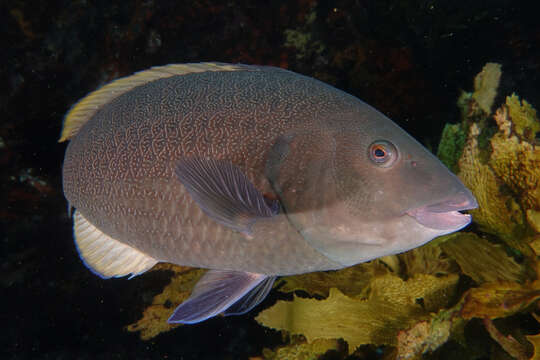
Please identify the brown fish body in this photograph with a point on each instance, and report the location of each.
(250, 171)
(119, 168)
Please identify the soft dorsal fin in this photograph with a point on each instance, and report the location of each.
(105, 256)
(85, 108)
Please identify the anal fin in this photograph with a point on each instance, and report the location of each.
(219, 290)
(105, 256)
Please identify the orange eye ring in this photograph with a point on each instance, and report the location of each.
(382, 153)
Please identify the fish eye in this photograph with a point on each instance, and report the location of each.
(382, 153)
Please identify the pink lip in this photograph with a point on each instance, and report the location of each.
(445, 215)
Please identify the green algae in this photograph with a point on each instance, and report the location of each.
(451, 146)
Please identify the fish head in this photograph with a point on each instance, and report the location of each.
(366, 189)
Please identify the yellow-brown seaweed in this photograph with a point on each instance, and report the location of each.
(500, 299)
(490, 262)
(498, 212)
(154, 319)
(505, 177)
(350, 281)
(389, 305)
(302, 350)
(428, 259)
(485, 86)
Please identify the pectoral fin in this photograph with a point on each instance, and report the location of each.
(219, 290)
(224, 193)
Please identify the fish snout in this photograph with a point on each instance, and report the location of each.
(461, 201)
(445, 215)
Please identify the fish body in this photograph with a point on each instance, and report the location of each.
(251, 171)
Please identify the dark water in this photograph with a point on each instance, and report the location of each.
(407, 58)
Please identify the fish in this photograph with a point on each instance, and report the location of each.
(252, 172)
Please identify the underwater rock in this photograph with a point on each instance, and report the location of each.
(426, 336)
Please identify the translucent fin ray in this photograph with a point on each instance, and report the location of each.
(215, 292)
(224, 193)
(105, 256)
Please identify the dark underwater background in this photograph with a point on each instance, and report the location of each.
(409, 59)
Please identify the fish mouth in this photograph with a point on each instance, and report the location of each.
(445, 215)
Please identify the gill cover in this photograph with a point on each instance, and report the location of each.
(301, 169)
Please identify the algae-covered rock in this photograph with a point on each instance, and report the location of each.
(419, 339)
(427, 335)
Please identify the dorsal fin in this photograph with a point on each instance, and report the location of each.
(85, 108)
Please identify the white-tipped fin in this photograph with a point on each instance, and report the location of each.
(105, 256)
(85, 108)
